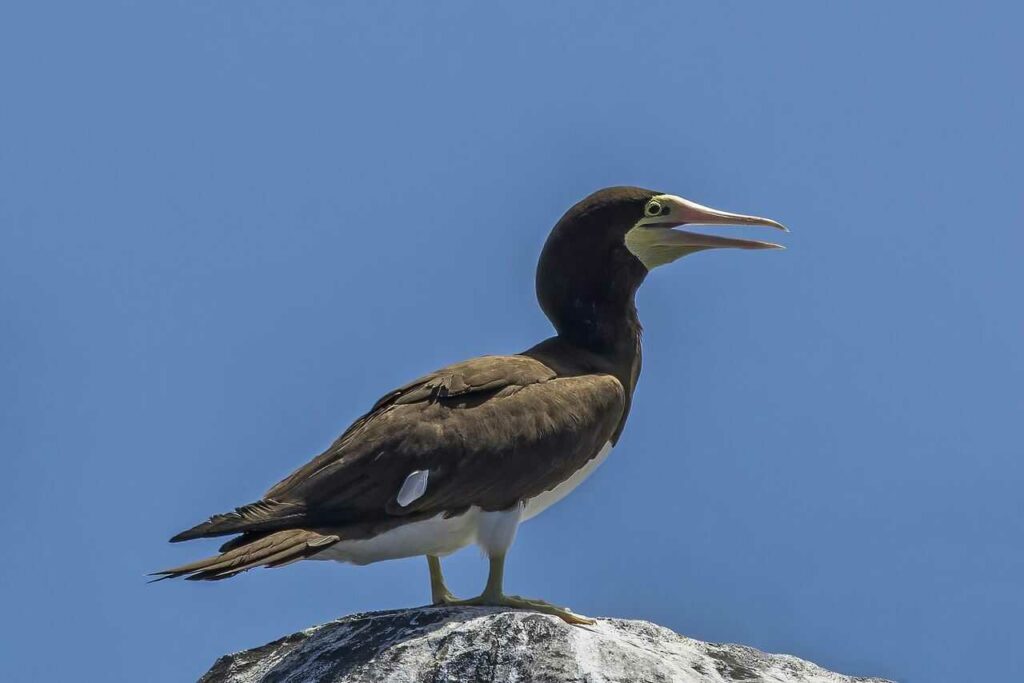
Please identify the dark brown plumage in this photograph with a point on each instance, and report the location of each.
(491, 433)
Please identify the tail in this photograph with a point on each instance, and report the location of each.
(252, 550)
(263, 515)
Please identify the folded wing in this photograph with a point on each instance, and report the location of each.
(487, 432)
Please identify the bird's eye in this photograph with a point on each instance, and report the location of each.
(654, 209)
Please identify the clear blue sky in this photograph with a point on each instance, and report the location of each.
(227, 228)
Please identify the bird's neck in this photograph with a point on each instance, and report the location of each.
(608, 342)
(587, 290)
(611, 329)
(597, 313)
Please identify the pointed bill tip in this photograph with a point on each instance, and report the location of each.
(755, 244)
(766, 222)
(765, 245)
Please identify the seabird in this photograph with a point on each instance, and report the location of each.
(465, 454)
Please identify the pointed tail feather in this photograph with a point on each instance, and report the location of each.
(263, 515)
(272, 550)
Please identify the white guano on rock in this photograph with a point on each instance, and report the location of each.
(489, 644)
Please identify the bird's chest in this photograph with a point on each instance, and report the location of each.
(536, 505)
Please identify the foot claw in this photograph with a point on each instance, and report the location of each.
(444, 600)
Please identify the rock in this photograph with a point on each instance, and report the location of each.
(489, 644)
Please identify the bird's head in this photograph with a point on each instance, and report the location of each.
(601, 250)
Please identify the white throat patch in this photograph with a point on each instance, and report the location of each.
(647, 242)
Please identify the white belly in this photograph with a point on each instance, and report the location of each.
(435, 536)
(440, 536)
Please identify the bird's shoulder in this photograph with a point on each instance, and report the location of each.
(483, 374)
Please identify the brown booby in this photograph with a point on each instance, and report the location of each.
(464, 454)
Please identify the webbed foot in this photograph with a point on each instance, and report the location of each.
(517, 602)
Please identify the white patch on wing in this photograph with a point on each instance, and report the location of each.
(539, 503)
(415, 485)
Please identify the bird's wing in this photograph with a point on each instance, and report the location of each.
(488, 432)
(477, 378)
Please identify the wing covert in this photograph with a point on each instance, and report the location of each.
(489, 431)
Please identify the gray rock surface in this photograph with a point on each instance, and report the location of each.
(484, 645)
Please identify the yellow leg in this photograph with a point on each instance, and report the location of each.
(493, 595)
(439, 593)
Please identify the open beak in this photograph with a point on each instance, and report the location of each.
(678, 211)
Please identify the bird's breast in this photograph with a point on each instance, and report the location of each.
(536, 505)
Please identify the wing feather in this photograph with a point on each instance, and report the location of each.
(489, 431)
